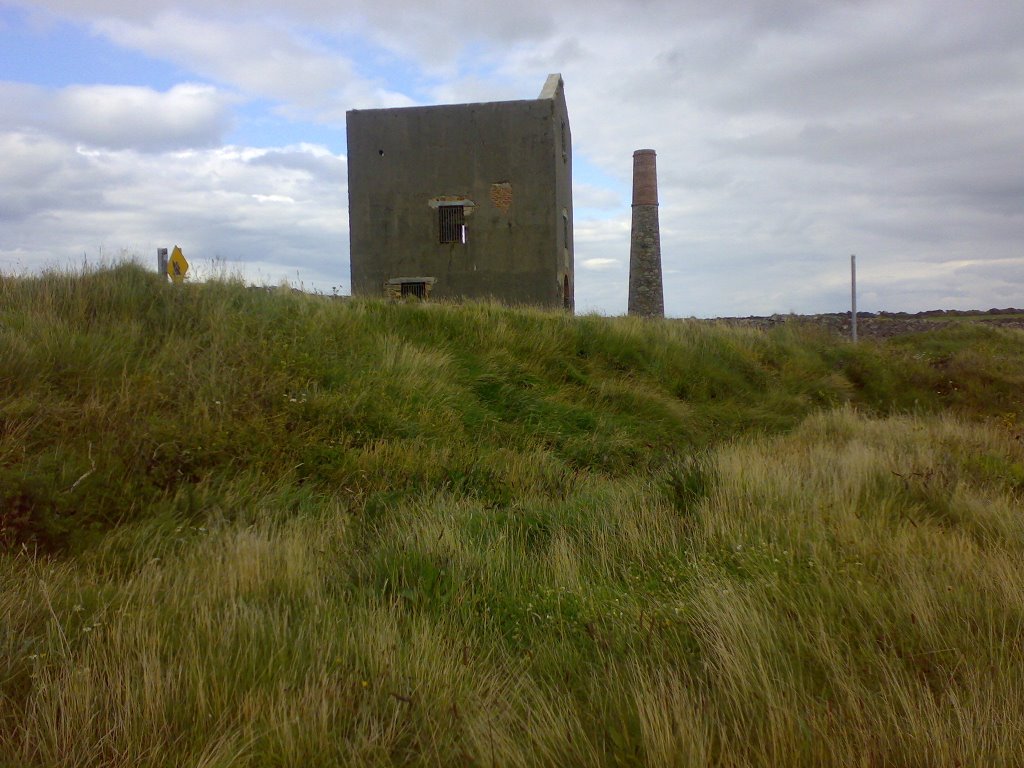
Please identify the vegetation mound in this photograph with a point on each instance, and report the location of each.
(248, 527)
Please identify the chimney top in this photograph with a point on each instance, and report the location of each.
(645, 177)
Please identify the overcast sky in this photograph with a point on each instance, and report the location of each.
(790, 134)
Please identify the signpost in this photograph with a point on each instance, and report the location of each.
(177, 266)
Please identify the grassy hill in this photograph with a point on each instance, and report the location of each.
(252, 528)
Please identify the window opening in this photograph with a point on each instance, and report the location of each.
(566, 296)
(414, 290)
(409, 288)
(451, 221)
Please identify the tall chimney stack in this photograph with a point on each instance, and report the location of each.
(646, 295)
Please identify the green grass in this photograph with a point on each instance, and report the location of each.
(258, 528)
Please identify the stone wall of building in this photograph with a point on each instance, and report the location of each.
(507, 165)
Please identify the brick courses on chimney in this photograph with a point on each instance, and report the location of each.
(646, 295)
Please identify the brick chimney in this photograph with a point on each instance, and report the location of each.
(646, 295)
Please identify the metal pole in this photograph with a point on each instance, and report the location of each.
(853, 297)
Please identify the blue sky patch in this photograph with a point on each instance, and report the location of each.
(56, 53)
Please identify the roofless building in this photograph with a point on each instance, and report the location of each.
(463, 201)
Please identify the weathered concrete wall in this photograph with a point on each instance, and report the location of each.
(503, 161)
(646, 294)
(553, 90)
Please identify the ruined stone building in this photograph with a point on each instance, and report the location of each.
(463, 201)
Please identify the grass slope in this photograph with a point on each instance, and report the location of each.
(250, 528)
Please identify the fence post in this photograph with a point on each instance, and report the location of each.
(853, 297)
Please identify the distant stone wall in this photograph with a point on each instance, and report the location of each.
(882, 326)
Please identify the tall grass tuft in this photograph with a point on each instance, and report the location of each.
(256, 528)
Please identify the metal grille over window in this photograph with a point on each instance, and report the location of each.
(452, 223)
(418, 290)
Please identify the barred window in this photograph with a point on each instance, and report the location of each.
(418, 290)
(451, 221)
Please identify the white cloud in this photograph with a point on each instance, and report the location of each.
(232, 204)
(594, 197)
(119, 116)
(260, 57)
(599, 265)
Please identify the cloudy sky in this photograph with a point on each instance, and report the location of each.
(790, 134)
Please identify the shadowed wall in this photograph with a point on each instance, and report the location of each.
(506, 165)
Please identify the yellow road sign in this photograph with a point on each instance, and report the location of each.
(177, 266)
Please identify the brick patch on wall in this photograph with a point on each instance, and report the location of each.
(501, 196)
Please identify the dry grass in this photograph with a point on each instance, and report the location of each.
(818, 606)
(472, 536)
